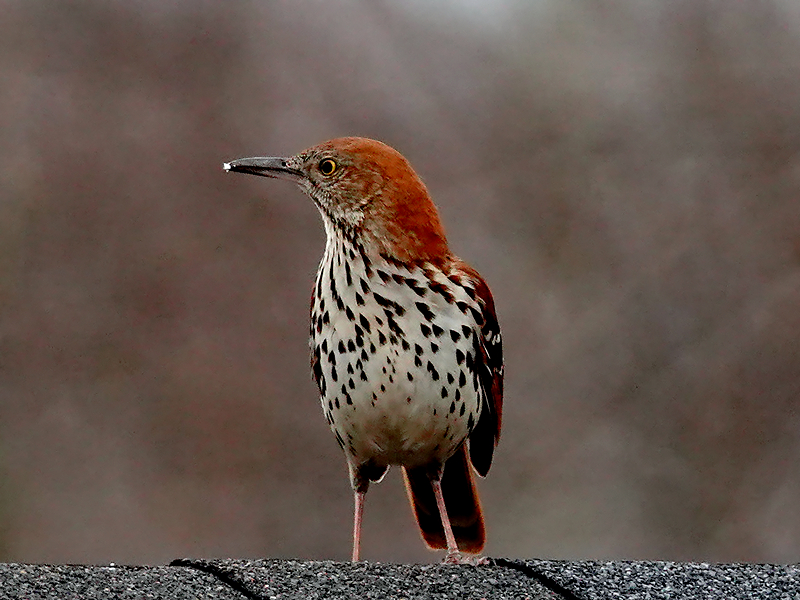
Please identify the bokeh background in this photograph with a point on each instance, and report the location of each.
(624, 173)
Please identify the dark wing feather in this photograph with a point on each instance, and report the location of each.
(489, 364)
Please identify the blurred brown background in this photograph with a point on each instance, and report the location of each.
(625, 174)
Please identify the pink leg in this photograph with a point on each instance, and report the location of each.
(453, 555)
(358, 512)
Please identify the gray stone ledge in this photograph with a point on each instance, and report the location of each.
(502, 578)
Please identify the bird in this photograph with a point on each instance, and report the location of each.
(406, 349)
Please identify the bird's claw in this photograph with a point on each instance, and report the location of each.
(456, 558)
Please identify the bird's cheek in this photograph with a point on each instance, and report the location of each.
(372, 189)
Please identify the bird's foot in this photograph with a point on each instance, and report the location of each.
(456, 558)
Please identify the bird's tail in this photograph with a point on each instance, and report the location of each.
(460, 498)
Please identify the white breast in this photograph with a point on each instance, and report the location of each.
(394, 358)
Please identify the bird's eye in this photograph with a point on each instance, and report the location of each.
(327, 166)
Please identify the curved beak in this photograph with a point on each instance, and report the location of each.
(263, 166)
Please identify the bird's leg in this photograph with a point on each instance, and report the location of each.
(453, 555)
(359, 480)
(358, 513)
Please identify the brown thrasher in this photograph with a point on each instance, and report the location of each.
(405, 345)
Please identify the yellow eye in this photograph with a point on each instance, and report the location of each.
(327, 166)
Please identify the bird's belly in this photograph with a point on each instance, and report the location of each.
(394, 356)
(404, 410)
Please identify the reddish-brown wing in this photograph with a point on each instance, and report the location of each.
(489, 365)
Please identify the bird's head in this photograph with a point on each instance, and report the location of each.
(365, 191)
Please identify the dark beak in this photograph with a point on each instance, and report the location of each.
(263, 166)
